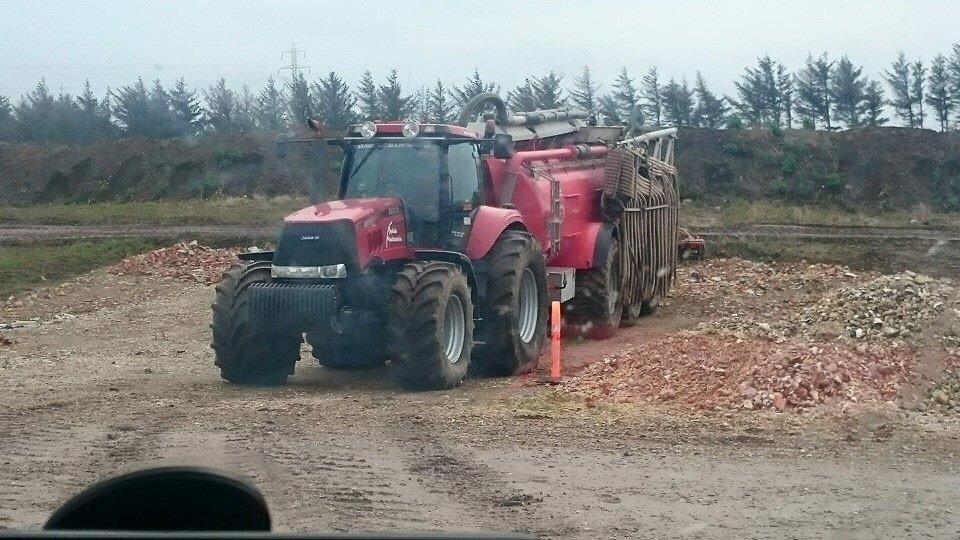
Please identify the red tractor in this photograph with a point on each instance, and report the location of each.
(447, 243)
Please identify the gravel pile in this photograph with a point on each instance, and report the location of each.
(899, 308)
(184, 261)
(735, 280)
(707, 371)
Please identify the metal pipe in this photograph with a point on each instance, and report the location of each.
(517, 160)
(659, 134)
(533, 118)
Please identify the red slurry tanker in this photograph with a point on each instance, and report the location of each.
(447, 243)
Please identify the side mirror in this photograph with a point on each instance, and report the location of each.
(502, 146)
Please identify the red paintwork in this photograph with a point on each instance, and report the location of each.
(581, 182)
(348, 209)
(379, 225)
(488, 223)
(580, 185)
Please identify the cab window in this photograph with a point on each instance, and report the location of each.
(463, 165)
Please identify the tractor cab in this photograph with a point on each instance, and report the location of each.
(433, 169)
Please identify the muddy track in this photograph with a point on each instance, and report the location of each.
(19, 233)
(129, 382)
(824, 232)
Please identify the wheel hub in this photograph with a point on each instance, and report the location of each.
(529, 302)
(454, 323)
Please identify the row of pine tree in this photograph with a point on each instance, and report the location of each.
(824, 94)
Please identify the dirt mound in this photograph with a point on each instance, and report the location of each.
(791, 336)
(906, 307)
(184, 261)
(145, 169)
(734, 279)
(707, 371)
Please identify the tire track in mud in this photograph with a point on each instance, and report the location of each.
(443, 463)
(63, 448)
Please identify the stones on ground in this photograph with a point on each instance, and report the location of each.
(708, 371)
(787, 336)
(185, 261)
(872, 308)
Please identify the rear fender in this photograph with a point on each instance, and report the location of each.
(605, 238)
(458, 259)
(489, 222)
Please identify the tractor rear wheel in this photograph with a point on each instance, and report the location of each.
(246, 354)
(597, 303)
(515, 314)
(431, 325)
(338, 352)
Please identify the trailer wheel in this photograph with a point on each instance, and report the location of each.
(633, 312)
(431, 325)
(337, 352)
(597, 303)
(515, 314)
(245, 354)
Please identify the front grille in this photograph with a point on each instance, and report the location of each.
(282, 306)
(317, 244)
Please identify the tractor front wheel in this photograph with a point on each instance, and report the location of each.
(244, 353)
(431, 325)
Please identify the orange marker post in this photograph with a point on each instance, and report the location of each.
(555, 341)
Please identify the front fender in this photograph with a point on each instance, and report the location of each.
(488, 223)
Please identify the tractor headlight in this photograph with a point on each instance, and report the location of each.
(411, 129)
(310, 272)
(368, 130)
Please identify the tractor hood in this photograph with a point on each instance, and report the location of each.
(353, 232)
(353, 210)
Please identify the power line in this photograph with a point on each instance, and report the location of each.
(294, 65)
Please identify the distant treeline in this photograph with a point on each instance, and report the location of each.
(824, 93)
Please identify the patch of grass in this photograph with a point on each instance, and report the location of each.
(23, 267)
(226, 211)
(545, 403)
(740, 212)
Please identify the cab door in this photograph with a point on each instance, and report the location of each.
(461, 193)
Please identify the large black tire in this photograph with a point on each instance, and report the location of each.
(423, 293)
(245, 354)
(338, 352)
(597, 303)
(508, 345)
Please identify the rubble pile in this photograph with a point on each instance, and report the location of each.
(184, 261)
(733, 279)
(898, 308)
(708, 371)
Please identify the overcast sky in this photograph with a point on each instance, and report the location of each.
(111, 42)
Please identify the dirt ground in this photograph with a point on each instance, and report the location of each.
(117, 374)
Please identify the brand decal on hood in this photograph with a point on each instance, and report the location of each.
(393, 235)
